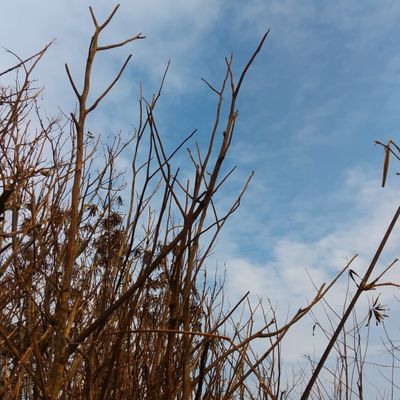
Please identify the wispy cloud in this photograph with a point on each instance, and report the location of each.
(296, 265)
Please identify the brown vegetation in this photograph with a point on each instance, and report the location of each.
(105, 298)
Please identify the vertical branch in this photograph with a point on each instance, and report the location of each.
(78, 126)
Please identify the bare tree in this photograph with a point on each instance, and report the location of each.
(102, 297)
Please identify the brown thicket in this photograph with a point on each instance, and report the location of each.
(104, 291)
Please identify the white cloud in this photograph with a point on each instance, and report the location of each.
(174, 30)
(283, 278)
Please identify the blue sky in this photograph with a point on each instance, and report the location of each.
(326, 85)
